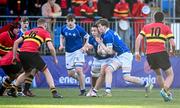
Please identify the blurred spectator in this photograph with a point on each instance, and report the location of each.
(65, 6)
(3, 7)
(137, 11)
(76, 6)
(6, 27)
(131, 2)
(167, 7)
(121, 11)
(52, 10)
(178, 10)
(18, 7)
(105, 8)
(34, 7)
(89, 10)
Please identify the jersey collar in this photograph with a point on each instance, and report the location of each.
(71, 28)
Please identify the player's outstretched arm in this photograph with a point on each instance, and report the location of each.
(61, 47)
(15, 47)
(53, 51)
(172, 46)
(137, 46)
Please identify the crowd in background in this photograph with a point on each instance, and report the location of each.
(33, 7)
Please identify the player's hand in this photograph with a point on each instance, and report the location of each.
(83, 49)
(14, 60)
(55, 60)
(171, 53)
(138, 57)
(61, 48)
(98, 40)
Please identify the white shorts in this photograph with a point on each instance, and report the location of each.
(74, 59)
(97, 65)
(124, 60)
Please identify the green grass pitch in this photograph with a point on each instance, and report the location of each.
(122, 98)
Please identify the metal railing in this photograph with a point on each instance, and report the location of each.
(114, 24)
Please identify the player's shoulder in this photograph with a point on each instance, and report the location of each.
(41, 31)
(4, 33)
(78, 26)
(91, 37)
(149, 25)
(166, 26)
(38, 29)
(63, 27)
(110, 32)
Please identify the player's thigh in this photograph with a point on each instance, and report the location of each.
(126, 61)
(32, 60)
(38, 62)
(96, 67)
(25, 59)
(69, 60)
(152, 61)
(163, 60)
(79, 58)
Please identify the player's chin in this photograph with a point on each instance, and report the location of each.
(103, 55)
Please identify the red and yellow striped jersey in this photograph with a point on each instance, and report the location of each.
(6, 42)
(156, 35)
(33, 39)
(121, 10)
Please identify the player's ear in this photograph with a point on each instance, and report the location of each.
(45, 25)
(66, 21)
(74, 20)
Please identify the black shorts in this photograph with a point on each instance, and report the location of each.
(159, 60)
(12, 70)
(31, 60)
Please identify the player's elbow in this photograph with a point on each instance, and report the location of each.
(51, 49)
(16, 43)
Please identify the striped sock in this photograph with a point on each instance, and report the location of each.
(5, 85)
(28, 82)
(94, 90)
(53, 90)
(19, 88)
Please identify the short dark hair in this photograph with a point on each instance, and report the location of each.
(70, 17)
(94, 25)
(14, 25)
(158, 16)
(103, 22)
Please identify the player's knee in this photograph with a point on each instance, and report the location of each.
(79, 69)
(71, 72)
(126, 76)
(95, 74)
(78, 66)
(110, 68)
